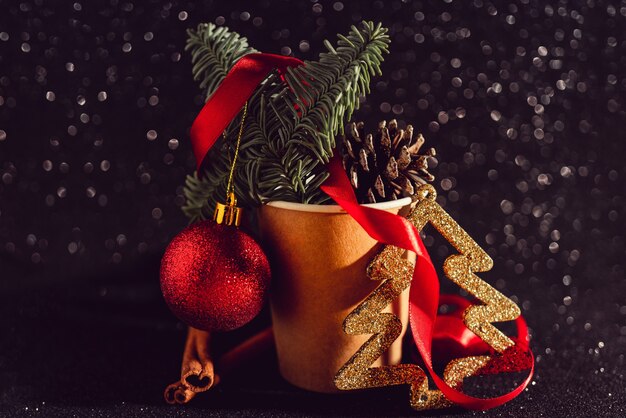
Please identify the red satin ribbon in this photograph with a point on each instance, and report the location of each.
(383, 226)
(226, 102)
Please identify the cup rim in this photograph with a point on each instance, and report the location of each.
(305, 207)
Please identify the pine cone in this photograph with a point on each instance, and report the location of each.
(386, 165)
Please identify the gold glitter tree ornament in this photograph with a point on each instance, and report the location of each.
(392, 268)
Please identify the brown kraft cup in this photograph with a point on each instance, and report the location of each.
(318, 256)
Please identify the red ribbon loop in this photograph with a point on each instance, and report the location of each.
(385, 227)
(228, 99)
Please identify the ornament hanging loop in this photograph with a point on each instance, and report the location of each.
(426, 191)
(228, 213)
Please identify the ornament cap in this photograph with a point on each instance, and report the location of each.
(229, 213)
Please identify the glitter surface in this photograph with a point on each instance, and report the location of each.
(214, 277)
(367, 318)
(396, 272)
(523, 100)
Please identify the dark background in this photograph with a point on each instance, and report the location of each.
(525, 102)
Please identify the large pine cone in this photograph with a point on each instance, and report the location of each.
(386, 165)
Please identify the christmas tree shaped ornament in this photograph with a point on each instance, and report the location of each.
(214, 277)
(396, 274)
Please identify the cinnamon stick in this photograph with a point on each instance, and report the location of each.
(177, 393)
(198, 371)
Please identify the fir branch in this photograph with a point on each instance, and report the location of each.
(214, 50)
(290, 131)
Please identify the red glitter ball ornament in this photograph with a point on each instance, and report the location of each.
(214, 277)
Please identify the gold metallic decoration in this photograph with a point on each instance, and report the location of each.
(396, 273)
(229, 213)
(460, 268)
